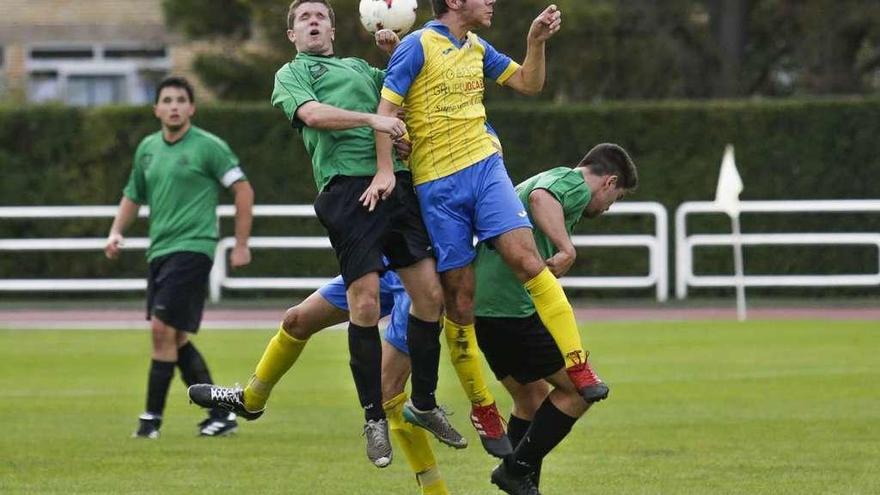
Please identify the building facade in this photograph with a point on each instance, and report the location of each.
(87, 52)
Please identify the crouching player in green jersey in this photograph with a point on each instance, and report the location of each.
(519, 348)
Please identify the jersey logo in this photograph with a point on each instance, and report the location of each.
(183, 161)
(146, 160)
(317, 70)
(522, 214)
(448, 51)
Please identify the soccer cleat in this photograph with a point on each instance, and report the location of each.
(490, 425)
(227, 398)
(378, 443)
(513, 484)
(149, 426)
(436, 422)
(218, 426)
(590, 386)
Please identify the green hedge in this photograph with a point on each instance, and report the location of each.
(802, 149)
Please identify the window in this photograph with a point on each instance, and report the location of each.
(94, 74)
(95, 90)
(43, 86)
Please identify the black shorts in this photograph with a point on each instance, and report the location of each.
(361, 238)
(176, 288)
(521, 348)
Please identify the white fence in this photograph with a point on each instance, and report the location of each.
(656, 243)
(685, 244)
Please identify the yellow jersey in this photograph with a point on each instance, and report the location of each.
(439, 80)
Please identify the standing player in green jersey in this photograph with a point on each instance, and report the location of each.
(179, 172)
(332, 101)
(516, 343)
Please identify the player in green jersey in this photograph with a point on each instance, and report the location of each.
(372, 225)
(517, 345)
(179, 172)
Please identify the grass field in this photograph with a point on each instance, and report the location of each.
(696, 407)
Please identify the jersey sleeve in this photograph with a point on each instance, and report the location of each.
(567, 187)
(223, 165)
(136, 188)
(403, 68)
(293, 88)
(496, 65)
(378, 75)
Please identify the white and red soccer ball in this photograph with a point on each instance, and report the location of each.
(396, 15)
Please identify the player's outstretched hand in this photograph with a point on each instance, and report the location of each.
(380, 189)
(546, 24)
(239, 256)
(560, 263)
(113, 246)
(387, 40)
(389, 125)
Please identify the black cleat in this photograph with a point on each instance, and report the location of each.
(513, 484)
(149, 426)
(226, 398)
(218, 426)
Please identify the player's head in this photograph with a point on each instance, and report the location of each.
(473, 14)
(311, 26)
(175, 103)
(609, 173)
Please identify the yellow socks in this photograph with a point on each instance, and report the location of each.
(280, 354)
(556, 313)
(412, 440)
(465, 356)
(432, 486)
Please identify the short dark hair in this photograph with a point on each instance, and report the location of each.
(291, 17)
(440, 7)
(176, 82)
(611, 159)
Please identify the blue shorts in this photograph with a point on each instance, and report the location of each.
(479, 200)
(393, 300)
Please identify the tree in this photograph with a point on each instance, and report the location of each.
(607, 49)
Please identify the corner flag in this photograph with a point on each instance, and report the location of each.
(730, 184)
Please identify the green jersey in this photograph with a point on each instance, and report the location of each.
(499, 292)
(181, 182)
(346, 83)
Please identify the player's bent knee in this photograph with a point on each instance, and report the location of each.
(365, 308)
(292, 324)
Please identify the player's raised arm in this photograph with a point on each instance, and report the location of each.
(529, 79)
(321, 116)
(549, 218)
(387, 40)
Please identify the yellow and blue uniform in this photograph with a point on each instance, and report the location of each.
(460, 178)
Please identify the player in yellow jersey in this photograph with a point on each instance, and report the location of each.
(438, 74)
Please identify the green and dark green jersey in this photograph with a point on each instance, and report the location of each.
(499, 292)
(181, 182)
(346, 83)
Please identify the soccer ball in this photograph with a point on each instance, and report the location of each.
(396, 15)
